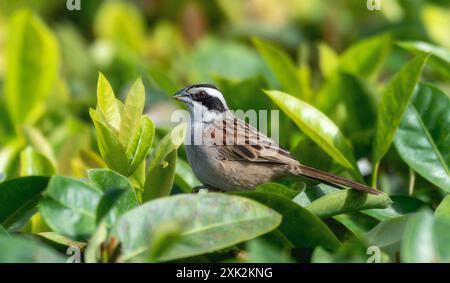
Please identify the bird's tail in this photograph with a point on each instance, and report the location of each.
(331, 179)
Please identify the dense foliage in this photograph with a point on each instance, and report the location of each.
(93, 169)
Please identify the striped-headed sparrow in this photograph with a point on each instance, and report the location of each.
(228, 154)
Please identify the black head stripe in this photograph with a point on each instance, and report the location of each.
(207, 85)
(212, 103)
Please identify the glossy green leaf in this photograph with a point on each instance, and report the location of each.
(32, 163)
(140, 144)
(23, 250)
(132, 111)
(401, 205)
(318, 127)
(69, 207)
(209, 222)
(281, 65)
(345, 201)
(443, 209)
(302, 228)
(107, 179)
(162, 163)
(418, 245)
(32, 57)
(366, 57)
(440, 57)
(393, 104)
(107, 203)
(18, 197)
(277, 189)
(185, 177)
(423, 139)
(110, 147)
(106, 103)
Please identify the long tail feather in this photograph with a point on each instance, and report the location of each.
(334, 180)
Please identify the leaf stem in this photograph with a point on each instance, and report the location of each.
(375, 174)
(412, 181)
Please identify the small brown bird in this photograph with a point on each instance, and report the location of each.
(227, 154)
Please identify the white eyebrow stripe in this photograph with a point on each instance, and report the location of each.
(212, 92)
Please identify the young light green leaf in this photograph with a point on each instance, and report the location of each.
(39, 143)
(107, 104)
(281, 65)
(208, 222)
(440, 57)
(69, 207)
(18, 197)
(21, 250)
(345, 201)
(32, 163)
(60, 240)
(140, 144)
(422, 138)
(110, 147)
(318, 127)
(366, 57)
(32, 57)
(132, 111)
(393, 104)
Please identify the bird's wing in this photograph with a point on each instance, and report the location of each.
(239, 141)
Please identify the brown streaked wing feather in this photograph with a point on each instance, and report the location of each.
(241, 142)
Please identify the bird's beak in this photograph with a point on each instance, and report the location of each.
(182, 95)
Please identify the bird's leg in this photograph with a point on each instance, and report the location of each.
(209, 188)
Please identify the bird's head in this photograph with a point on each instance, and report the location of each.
(203, 97)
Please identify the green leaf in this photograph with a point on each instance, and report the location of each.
(302, 228)
(60, 240)
(34, 163)
(208, 222)
(160, 179)
(184, 177)
(162, 163)
(106, 103)
(39, 143)
(318, 127)
(393, 104)
(107, 179)
(345, 201)
(440, 57)
(281, 65)
(18, 197)
(9, 156)
(21, 250)
(164, 237)
(328, 59)
(261, 252)
(107, 203)
(418, 244)
(3, 231)
(277, 189)
(32, 57)
(109, 145)
(366, 57)
(422, 138)
(401, 205)
(388, 235)
(132, 111)
(140, 144)
(443, 209)
(69, 207)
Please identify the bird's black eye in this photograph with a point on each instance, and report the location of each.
(201, 94)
